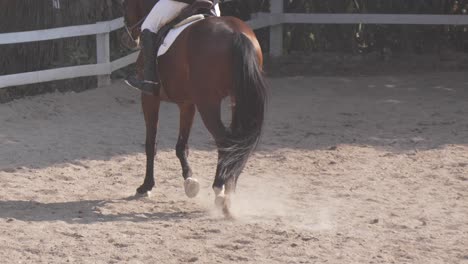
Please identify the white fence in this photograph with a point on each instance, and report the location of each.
(275, 20)
(103, 68)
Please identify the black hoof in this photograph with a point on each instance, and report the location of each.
(142, 190)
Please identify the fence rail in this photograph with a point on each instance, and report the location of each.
(269, 19)
(62, 32)
(103, 67)
(275, 20)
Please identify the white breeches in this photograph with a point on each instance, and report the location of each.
(163, 12)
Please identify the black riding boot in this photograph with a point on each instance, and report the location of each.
(151, 84)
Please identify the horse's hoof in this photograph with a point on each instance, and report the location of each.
(223, 203)
(146, 194)
(228, 215)
(219, 201)
(192, 187)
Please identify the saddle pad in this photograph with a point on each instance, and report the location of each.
(175, 32)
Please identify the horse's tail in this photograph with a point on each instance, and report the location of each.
(250, 96)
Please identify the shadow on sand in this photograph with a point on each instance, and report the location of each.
(84, 212)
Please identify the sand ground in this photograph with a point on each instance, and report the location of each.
(350, 170)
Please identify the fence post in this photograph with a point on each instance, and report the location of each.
(103, 56)
(276, 31)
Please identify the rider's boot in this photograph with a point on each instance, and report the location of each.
(151, 83)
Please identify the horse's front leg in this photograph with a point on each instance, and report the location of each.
(150, 106)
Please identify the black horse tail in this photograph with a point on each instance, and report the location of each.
(250, 96)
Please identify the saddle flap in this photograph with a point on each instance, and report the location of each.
(175, 32)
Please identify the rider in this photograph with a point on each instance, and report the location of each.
(162, 13)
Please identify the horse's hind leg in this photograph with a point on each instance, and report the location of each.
(187, 114)
(230, 188)
(211, 115)
(151, 112)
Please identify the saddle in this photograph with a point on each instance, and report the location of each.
(199, 7)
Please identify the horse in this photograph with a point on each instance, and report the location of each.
(212, 59)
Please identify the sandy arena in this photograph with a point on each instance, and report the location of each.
(350, 170)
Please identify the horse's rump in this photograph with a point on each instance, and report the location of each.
(200, 62)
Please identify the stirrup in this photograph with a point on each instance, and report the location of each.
(147, 87)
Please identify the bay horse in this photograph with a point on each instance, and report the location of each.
(212, 59)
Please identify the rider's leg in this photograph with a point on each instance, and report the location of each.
(162, 13)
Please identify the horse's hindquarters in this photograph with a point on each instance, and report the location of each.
(212, 59)
(199, 64)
